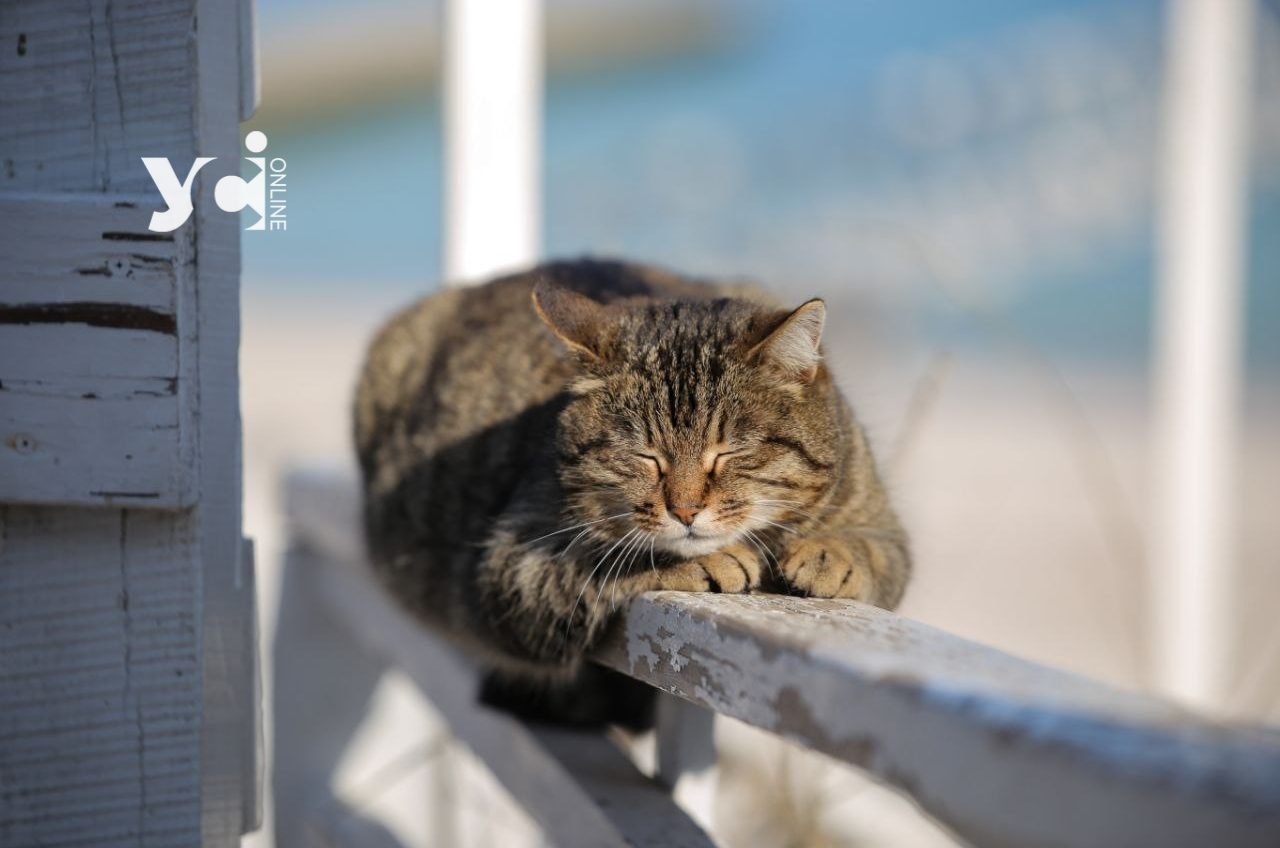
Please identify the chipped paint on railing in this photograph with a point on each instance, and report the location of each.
(1004, 751)
(916, 706)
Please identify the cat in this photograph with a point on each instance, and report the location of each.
(537, 450)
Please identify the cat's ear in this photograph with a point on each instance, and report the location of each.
(792, 346)
(579, 321)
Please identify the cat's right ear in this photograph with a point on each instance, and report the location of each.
(792, 345)
(579, 321)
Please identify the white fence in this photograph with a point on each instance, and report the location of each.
(1002, 751)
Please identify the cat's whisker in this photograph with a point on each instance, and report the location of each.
(627, 555)
(782, 527)
(576, 526)
(587, 582)
(634, 551)
(784, 501)
(594, 545)
(616, 566)
(789, 506)
(769, 559)
(601, 590)
(761, 552)
(617, 558)
(653, 538)
(574, 540)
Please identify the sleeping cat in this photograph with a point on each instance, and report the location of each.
(539, 449)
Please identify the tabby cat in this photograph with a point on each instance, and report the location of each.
(539, 449)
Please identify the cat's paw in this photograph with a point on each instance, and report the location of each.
(734, 569)
(830, 568)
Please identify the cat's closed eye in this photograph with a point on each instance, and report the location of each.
(654, 463)
(715, 459)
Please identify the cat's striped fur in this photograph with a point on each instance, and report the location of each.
(538, 449)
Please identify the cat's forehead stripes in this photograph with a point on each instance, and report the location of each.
(679, 354)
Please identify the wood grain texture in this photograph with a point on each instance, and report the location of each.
(99, 678)
(214, 318)
(94, 406)
(100, 606)
(226, 598)
(124, 345)
(1004, 751)
(97, 85)
(94, 248)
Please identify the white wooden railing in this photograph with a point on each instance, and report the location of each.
(1002, 751)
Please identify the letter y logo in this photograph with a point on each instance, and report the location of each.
(231, 193)
(176, 195)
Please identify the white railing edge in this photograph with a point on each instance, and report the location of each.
(1002, 750)
(578, 786)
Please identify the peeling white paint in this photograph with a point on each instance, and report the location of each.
(639, 648)
(134, 618)
(928, 711)
(90, 413)
(1004, 751)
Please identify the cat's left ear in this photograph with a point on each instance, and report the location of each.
(578, 320)
(792, 345)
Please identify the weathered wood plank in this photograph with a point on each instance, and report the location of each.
(92, 416)
(226, 599)
(91, 248)
(685, 756)
(98, 726)
(80, 450)
(642, 813)
(244, 677)
(580, 789)
(52, 352)
(94, 86)
(1004, 751)
(93, 409)
(340, 826)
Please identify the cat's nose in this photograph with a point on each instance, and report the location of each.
(686, 514)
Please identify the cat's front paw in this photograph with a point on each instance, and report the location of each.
(734, 569)
(830, 568)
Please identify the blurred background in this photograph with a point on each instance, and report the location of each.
(974, 188)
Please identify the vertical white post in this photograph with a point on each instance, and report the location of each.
(1198, 351)
(493, 58)
(492, 132)
(686, 757)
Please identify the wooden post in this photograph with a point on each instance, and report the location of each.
(492, 129)
(1198, 351)
(492, 172)
(324, 681)
(126, 605)
(686, 757)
